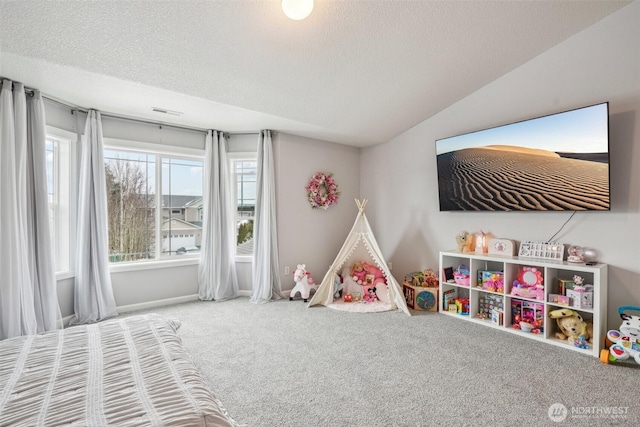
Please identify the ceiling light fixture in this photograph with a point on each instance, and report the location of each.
(297, 9)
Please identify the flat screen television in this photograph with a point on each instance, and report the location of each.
(558, 162)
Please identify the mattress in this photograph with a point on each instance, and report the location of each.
(132, 371)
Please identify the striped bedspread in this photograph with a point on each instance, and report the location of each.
(123, 372)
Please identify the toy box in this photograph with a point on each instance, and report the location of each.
(580, 298)
(420, 297)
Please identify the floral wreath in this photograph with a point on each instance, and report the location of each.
(322, 190)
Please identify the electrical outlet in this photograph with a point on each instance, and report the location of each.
(287, 270)
(390, 265)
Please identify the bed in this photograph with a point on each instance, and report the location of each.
(132, 371)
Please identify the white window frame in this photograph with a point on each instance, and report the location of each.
(159, 150)
(65, 166)
(232, 158)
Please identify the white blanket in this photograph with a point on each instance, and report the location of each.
(123, 372)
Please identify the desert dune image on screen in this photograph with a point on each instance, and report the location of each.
(553, 163)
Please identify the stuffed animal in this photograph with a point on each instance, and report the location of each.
(378, 275)
(571, 326)
(371, 295)
(358, 272)
(464, 241)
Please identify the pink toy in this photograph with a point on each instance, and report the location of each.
(495, 283)
(529, 284)
(358, 273)
(378, 275)
(371, 295)
(373, 278)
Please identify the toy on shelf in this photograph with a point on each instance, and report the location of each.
(492, 281)
(304, 283)
(488, 304)
(448, 300)
(626, 341)
(462, 306)
(464, 241)
(529, 284)
(572, 327)
(581, 296)
(575, 254)
(461, 275)
(527, 316)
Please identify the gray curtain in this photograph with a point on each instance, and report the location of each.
(217, 278)
(266, 280)
(28, 298)
(93, 292)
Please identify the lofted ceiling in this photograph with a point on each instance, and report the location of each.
(355, 72)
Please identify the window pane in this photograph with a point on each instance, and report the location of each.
(58, 169)
(245, 175)
(130, 179)
(181, 206)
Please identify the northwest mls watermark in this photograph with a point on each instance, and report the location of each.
(558, 412)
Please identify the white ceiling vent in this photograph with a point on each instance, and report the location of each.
(165, 111)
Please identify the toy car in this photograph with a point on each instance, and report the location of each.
(626, 341)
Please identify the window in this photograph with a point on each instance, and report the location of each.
(153, 205)
(60, 150)
(244, 172)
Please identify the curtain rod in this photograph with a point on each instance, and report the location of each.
(73, 108)
(151, 122)
(123, 117)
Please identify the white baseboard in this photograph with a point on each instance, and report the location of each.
(145, 305)
(162, 303)
(158, 303)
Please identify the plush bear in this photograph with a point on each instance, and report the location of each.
(358, 273)
(571, 326)
(464, 241)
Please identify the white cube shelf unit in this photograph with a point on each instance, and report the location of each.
(478, 298)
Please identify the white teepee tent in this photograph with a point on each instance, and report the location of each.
(359, 243)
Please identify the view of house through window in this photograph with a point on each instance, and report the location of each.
(154, 205)
(154, 202)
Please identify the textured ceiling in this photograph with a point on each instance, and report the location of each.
(354, 72)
